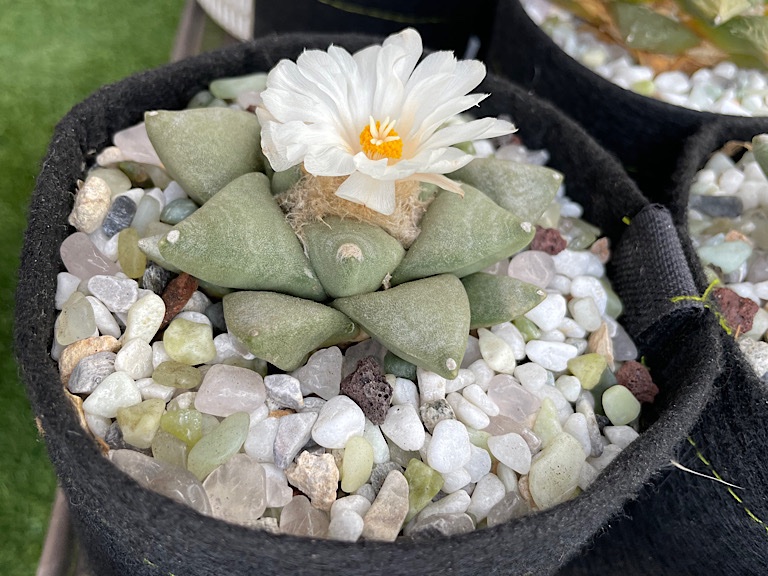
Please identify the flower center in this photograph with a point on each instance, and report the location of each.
(380, 140)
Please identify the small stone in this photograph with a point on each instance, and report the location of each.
(321, 374)
(637, 379)
(300, 518)
(576, 426)
(449, 448)
(457, 480)
(475, 395)
(465, 379)
(569, 387)
(135, 359)
(377, 441)
(76, 351)
(756, 354)
(176, 295)
(620, 405)
(728, 256)
(219, 445)
(455, 503)
(76, 321)
(168, 449)
(403, 426)
(393, 364)
(386, 515)
(513, 400)
(601, 462)
(380, 472)
(346, 526)
(237, 490)
(621, 436)
(573, 263)
(144, 318)
(120, 215)
(369, 389)
(587, 368)
(479, 462)
(117, 294)
(90, 372)
(140, 422)
(717, 206)
(555, 473)
(423, 484)
(357, 464)
(316, 476)
(585, 313)
(82, 259)
(189, 342)
(600, 342)
(623, 347)
(552, 356)
(739, 312)
(511, 506)
(116, 391)
(91, 205)
(278, 492)
(433, 412)
(547, 425)
(466, 412)
(260, 443)
(496, 352)
(533, 267)
(601, 249)
(105, 321)
(293, 433)
(441, 525)
(177, 375)
(487, 493)
(176, 210)
(229, 389)
(284, 390)
(512, 450)
(549, 313)
(352, 503)
(548, 240)
(132, 260)
(339, 420)
(186, 424)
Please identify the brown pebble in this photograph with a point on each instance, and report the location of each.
(281, 413)
(522, 486)
(739, 312)
(602, 249)
(734, 235)
(76, 351)
(176, 295)
(600, 342)
(370, 390)
(637, 379)
(548, 240)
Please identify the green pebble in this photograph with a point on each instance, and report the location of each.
(547, 425)
(177, 375)
(210, 423)
(76, 320)
(117, 181)
(588, 368)
(423, 484)
(140, 422)
(554, 474)
(393, 364)
(189, 342)
(582, 234)
(551, 216)
(644, 87)
(169, 449)
(185, 424)
(218, 446)
(357, 464)
(727, 256)
(200, 100)
(231, 88)
(177, 210)
(479, 438)
(132, 260)
(614, 307)
(527, 328)
(620, 406)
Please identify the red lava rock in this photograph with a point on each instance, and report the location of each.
(637, 379)
(548, 240)
(739, 312)
(370, 390)
(176, 294)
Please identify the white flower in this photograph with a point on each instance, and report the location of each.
(374, 116)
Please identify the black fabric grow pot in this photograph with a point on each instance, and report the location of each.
(682, 523)
(646, 134)
(128, 530)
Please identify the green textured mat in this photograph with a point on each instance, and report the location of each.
(53, 53)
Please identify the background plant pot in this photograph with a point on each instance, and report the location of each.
(646, 134)
(128, 530)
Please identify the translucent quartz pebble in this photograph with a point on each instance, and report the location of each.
(300, 518)
(466, 412)
(229, 389)
(576, 426)
(339, 420)
(147, 212)
(356, 464)
(76, 321)
(131, 259)
(377, 441)
(465, 378)
(585, 313)
(293, 433)
(116, 179)
(623, 347)
(66, 285)
(482, 372)
(346, 526)
(317, 476)
(169, 449)
(278, 491)
(405, 392)
(386, 515)
(134, 143)
(90, 371)
(512, 336)
(144, 318)
(620, 405)
(82, 259)
(198, 302)
(511, 506)
(532, 266)
(140, 422)
(727, 256)
(472, 352)
(403, 427)
(554, 475)
(321, 374)
(177, 375)
(117, 294)
(474, 394)
(237, 490)
(175, 211)
(587, 475)
(569, 387)
(574, 263)
(189, 342)
(186, 424)
(479, 463)
(584, 405)
(120, 215)
(353, 503)
(590, 287)
(135, 359)
(431, 386)
(547, 425)
(512, 450)
(487, 493)
(455, 503)
(588, 368)
(151, 389)
(622, 436)
(259, 444)
(441, 524)
(423, 484)
(549, 313)
(449, 448)
(175, 483)
(284, 390)
(552, 356)
(496, 352)
(105, 321)
(512, 399)
(91, 205)
(216, 447)
(116, 391)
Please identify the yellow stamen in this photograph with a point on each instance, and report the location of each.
(380, 140)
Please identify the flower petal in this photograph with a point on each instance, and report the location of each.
(329, 161)
(483, 128)
(439, 180)
(377, 195)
